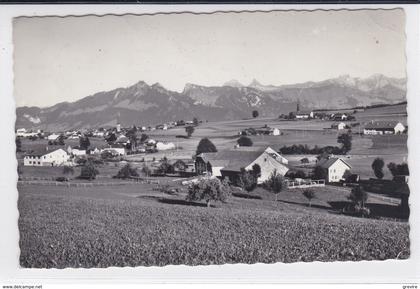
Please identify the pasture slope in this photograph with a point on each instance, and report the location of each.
(139, 226)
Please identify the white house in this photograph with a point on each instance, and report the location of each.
(52, 136)
(160, 146)
(276, 131)
(78, 152)
(21, 132)
(304, 114)
(115, 150)
(57, 157)
(383, 127)
(334, 168)
(339, 126)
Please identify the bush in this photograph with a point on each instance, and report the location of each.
(165, 167)
(377, 166)
(255, 113)
(398, 170)
(189, 130)
(305, 149)
(275, 183)
(244, 141)
(62, 179)
(299, 174)
(358, 198)
(247, 180)
(345, 141)
(67, 170)
(309, 194)
(304, 161)
(209, 190)
(319, 173)
(146, 171)
(205, 146)
(88, 171)
(126, 172)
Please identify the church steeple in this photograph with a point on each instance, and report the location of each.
(298, 106)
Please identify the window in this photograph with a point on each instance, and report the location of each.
(30, 162)
(39, 163)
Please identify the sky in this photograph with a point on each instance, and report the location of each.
(65, 59)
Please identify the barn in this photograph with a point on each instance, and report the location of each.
(228, 164)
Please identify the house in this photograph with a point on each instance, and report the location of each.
(115, 150)
(339, 126)
(46, 157)
(304, 114)
(384, 127)
(339, 116)
(122, 139)
(160, 146)
(53, 137)
(76, 151)
(22, 132)
(334, 169)
(228, 164)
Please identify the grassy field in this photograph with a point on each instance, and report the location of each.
(139, 226)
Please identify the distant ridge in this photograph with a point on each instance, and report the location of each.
(144, 104)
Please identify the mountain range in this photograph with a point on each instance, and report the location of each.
(143, 104)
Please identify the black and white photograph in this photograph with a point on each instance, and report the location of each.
(211, 138)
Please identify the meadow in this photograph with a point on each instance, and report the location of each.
(140, 226)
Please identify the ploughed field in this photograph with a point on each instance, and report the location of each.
(136, 225)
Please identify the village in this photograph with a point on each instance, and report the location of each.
(154, 154)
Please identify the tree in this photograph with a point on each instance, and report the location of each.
(319, 173)
(292, 115)
(244, 141)
(60, 140)
(105, 155)
(359, 197)
(18, 142)
(84, 142)
(247, 180)
(256, 170)
(132, 136)
(111, 138)
(255, 113)
(304, 161)
(126, 172)
(189, 130)
(146, 171)
(377, 166)
(398, 169)
(345, 141)
(195, 121)
(275, 183)
(68, 170)
(205, 146)
(143, 137)
(165, 167)
(209, 190)
(88, 171)
(309, 194)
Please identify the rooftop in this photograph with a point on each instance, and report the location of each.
(381, 124)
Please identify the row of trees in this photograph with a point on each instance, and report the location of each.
(344, 139)
(395, 169)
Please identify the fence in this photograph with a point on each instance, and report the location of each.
(85, 184)
(306, 184)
